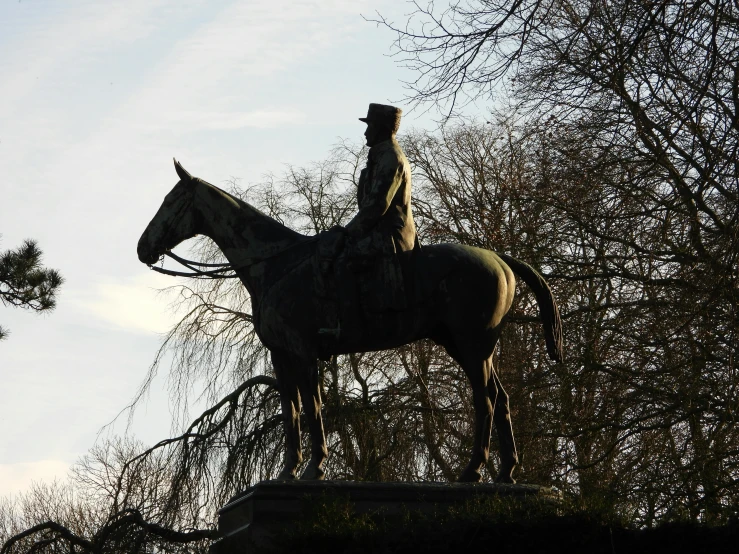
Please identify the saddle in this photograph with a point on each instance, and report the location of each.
(366, 276)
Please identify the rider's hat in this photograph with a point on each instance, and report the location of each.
(387, 116)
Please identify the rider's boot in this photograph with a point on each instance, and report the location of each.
(350, 319)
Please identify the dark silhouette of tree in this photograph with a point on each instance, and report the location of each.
(634, 404)
(24, 283)
(102, 509)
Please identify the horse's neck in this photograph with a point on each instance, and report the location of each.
(244, 234)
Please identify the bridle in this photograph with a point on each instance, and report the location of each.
(201, 270)
(220, 271)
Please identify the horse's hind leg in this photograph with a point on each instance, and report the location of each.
(310, 391)
(502, 419)
(479, 370)
(290, 402)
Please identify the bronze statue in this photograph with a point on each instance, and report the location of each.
(384, 194)
(455, 295)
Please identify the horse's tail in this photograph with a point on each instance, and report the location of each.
(548, 310)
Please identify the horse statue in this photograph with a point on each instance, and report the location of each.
(460, 302)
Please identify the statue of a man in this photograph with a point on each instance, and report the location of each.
(384, 220)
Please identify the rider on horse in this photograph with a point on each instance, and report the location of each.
(383, 228)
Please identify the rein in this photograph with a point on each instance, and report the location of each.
(220, 271)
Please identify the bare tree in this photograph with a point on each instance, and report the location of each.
(639, 401)
(102, 509)
(632, 110)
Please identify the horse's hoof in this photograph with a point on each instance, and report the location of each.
(286, 475)
(505, 479)
(470, 476)
(313, 473)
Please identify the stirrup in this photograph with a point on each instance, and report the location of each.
(328, 331)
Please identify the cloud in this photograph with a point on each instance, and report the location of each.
(134, 304)
(204, 78)
(262, 119)
(16, 478)
(52, 42)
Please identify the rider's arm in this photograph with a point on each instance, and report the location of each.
(361, 185)
(388, 175)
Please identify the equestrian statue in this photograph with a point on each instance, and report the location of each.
(364, 287)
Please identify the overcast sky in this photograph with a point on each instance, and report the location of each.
(96, 97)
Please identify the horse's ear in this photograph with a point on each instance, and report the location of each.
(181, 171)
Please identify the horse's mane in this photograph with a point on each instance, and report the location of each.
(268, 227)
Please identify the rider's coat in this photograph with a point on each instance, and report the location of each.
(384, 226)
(384, 198)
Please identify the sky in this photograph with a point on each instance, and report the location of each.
(96, 98)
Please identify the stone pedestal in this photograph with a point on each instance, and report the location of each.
(253, 518)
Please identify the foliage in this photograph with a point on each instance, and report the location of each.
(330, 522)
(24, 283)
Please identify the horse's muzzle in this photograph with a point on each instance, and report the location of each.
(145, 255)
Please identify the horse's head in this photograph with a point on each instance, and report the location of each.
(173, 223)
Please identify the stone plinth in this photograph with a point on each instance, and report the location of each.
(252, 518)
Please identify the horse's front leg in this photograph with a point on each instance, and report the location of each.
(310, 391)
(290, 401)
